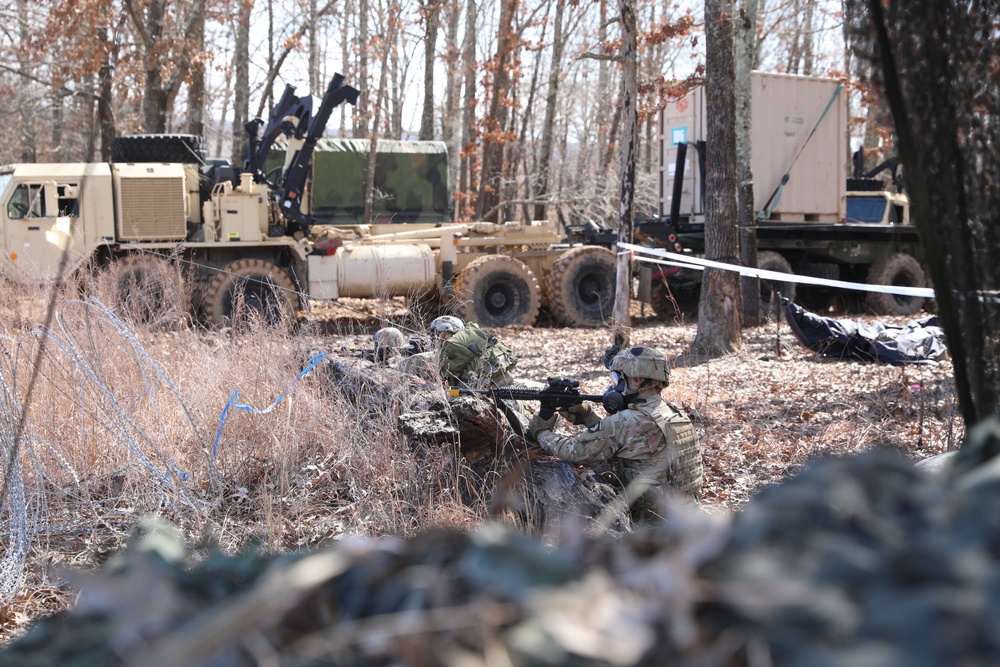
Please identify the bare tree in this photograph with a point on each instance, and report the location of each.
(430, 15)
(241, 83)
(495, 121)
(168, 44)
(719, 310)
(548, 124)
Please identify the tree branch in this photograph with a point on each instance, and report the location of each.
(269, 85)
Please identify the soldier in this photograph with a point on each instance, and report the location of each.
(463, 353)
(650, 443)
(389, 344)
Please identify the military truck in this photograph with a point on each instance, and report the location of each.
(819, 212)
(249, 243)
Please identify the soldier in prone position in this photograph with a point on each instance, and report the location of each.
(649, 443)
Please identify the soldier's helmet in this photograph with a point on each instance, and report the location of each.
(446, 324)
(389, 338)
(642, 362)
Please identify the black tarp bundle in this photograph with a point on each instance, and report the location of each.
(919, 342)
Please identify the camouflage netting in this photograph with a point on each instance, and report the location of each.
(410, 181)
(856, 561)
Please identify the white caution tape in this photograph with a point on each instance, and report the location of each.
(644, 254)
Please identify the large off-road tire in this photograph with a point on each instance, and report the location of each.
(183, 148)
(769, 260)
(145, 289)
(674, 302)
(498, 291)
(900, 270)
(248, 291)
(580, 288)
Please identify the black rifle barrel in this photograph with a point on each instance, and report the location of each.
(526, 394)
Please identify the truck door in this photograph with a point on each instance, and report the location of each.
(38, 229)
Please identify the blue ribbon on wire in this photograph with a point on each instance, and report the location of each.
(233, 403)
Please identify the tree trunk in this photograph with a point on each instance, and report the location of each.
(467, 179)
(28, 141)
(937, 65)
(387, 44)
(746, 37)
(719, 315)
(196, 89)
(241, 85)
(551, 98)
(452, 117)
(361, 111)
(430, 12)
(626, 210)
(494, 138)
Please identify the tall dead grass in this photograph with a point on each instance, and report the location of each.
(221, 432)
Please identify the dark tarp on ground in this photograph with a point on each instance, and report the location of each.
(919, 342)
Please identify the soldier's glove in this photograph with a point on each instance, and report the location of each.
(577, 414)
(609, 354)
(539, 424)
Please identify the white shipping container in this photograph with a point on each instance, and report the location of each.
(798, 126)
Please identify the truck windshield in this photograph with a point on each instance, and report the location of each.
(865, 209)
(5, 180)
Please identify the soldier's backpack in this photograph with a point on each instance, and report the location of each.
(475, 351)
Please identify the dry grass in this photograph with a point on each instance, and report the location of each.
(123, 422)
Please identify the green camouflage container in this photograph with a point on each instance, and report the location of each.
(411, 181)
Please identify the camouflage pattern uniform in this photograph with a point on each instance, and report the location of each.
(650, 444)
(645, 442)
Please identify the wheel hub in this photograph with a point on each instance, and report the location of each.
(497, 299)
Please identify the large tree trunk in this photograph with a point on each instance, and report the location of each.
(746, 38)
(938, 68)
(719, 311)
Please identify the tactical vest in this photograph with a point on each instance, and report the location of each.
(679, 467)
(474, 351)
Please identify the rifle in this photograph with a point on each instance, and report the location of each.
(559, 393)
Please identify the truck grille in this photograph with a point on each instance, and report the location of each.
(152, 209)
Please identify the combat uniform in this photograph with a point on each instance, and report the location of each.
(650, 441)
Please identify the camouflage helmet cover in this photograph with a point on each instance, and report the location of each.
(446, 324)
(389, 338)
(642, 362)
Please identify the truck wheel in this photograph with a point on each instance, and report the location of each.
(145, 289)
(183, 148)
(498, 291)
(769, 260)
(249, 290)
(672, 302)
(900, 270)
(580, 288)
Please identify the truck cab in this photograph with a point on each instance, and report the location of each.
(48, 210)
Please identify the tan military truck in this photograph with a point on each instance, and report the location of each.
(250, 245)
(819, 213)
